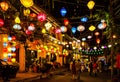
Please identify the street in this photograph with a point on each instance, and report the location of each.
(67, 77)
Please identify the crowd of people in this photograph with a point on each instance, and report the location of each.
(92, 67)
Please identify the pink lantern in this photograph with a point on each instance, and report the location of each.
(1, 22)
(28, 32)
(41, 17)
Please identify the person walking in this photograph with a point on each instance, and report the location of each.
(95, 68)
(78, 69)
(90, 68)
(73, 70)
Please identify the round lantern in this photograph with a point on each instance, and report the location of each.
(84, 19)
(26, 12)
(92, 28)
(28, 32)
(98, 41)
(63, 29)
(33, 15)
(13, 60)
(90, 4)
(66, 22)
(58, 30)
(97, 33)
(1, 22)
(63, 11)
(89, 37)
(41, 17)
(102, 25)
(80, 28)
(4, 6)
(74, 29)
(27, 3)
(31, 27)
(17, 26)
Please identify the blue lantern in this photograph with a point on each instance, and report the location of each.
(63, 11)
(84, 19)
(73, 29)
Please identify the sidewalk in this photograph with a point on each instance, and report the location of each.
(26, 77)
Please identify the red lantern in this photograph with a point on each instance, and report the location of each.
(41, 17)
(28, 32)
(98, 41)
(13, 38)
(1, 22)
(5, 50)
(33, 15)
(66, 22)
(4, 6)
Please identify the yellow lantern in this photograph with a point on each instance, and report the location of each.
(92, 28)
(17, 20)
(91, 4)
(26, 12)
(27, 3)
(43, 31)
(13, 60)
(4, 6)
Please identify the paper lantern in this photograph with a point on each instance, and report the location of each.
(4, 6)
(74, 29)
(27, 3)
(98, 40)
(17, 20)
(1, 22)
(58, 30)
(80, 28)
(97, 33)
(41, 17)
(17, 26)
(90, 4)
(66, 22)
(92, 28)
(28, 32)
(63, 11)
(31, 27)
(48, 25)
(13, 60)
(26, 12)
(63, 29)
(84, 19)
(43, 31)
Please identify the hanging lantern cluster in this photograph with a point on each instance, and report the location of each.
(9, 48)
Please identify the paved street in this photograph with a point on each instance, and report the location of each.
(67, 77)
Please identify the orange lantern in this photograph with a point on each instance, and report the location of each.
(98, 40)
(97, 33)
(4, 6)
